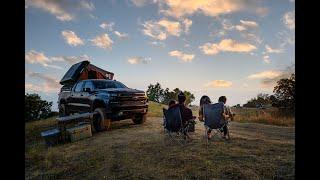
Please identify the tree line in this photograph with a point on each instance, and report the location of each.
(157, 94)
(283, 97)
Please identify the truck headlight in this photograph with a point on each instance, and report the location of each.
(113, 95)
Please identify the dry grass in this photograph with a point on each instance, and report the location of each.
(266, 116)
(269, 116)
(155, 109)
(131, 151)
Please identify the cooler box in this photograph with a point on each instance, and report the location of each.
(79, 132)
(51, 136)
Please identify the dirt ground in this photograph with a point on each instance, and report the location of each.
(129, 151)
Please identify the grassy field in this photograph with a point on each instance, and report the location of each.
(129, 151)
(270, 116)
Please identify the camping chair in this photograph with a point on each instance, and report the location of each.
(173, 124)
(213, 120)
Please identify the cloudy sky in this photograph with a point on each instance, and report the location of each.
(237, 48)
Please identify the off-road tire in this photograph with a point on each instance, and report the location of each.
(100, 121)
(63, 111)
(139, 118)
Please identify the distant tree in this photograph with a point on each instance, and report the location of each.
(174, 95)
(155, 92)
(284, 96)
(189, 97)
(36, 108)
(274, 101)
(260, 100)
(237, 106)
(167, 96)
(263, 99)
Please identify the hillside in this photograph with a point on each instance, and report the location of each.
(130, 151)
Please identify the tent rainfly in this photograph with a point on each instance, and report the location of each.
(84, 70)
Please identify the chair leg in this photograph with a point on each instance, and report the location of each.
(228, 134)
(187, 132)
(206, 133)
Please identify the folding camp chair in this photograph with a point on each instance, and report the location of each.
(213, 120)
(173, 126)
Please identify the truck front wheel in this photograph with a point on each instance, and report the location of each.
(139, 118)
(100, 121)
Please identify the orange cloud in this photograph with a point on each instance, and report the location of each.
(219, 84)
(226, 45)
(265, 74)
(161, 29)
(71, 38)
(180, 8)
(103, 41)
(183, 56)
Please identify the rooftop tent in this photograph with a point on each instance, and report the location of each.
(84, 70)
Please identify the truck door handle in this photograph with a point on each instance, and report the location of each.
(81, 95)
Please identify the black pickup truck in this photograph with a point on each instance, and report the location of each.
(110, 100)
(90, 89)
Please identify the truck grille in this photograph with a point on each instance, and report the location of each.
(131, 97)
(130, 101)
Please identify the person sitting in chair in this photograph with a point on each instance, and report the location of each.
(203, 100)
(186, 113)
(227, 114)
(171, 103)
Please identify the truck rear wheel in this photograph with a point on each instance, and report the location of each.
(63, 110)
(100, 121)
(139, 118)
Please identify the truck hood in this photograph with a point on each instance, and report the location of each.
(121, 90)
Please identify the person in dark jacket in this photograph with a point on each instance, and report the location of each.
(186, 113)
(171, 103)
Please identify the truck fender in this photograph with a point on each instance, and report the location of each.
(98, 103)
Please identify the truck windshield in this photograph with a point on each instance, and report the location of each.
(107, 84)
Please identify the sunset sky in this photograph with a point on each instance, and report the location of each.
(236, 48)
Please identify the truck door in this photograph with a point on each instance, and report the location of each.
(85, 96)
(73, 100)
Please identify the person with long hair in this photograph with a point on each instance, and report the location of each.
(203, 100)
